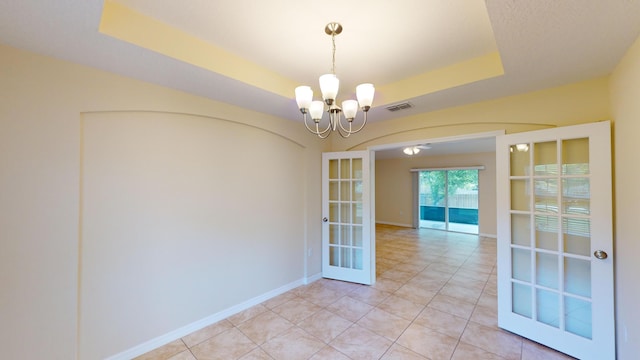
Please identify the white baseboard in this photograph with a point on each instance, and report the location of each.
(494, 236)
(313, 278)
(394, 224)
(195, 326)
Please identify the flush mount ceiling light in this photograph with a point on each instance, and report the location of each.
(412, 150)
(520, 147)
(329, 85)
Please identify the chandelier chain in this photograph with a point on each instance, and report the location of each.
(333, 59)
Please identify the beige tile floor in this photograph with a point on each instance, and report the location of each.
(435, 298)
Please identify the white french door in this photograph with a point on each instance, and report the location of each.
(348, 242)
(555, 253)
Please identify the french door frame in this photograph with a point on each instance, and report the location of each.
(601, 345)
(344, 195)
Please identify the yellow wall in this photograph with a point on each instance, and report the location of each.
(394, 193)
(56, 261)
(572, 104)
(625, 107)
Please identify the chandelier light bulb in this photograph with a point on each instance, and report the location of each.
(316, 109)
(364, 93)
(329, 85)
(304, 96)
(350, 109)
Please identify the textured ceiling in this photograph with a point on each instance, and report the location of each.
(396, 45)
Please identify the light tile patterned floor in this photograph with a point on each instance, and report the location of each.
(435, 298)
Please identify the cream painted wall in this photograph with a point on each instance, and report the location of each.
(572, 104)
(42, 105)
(625, 107)
(394, 192)
(182, 217)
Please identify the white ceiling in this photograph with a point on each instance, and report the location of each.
(542, 43)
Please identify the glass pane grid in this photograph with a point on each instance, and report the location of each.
(350, 257)
(345, 213)
(556, 290)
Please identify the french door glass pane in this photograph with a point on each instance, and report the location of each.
(577, 316)
(357, 259)
(333, 169)
(545, 157)
(575, 196)
(357, 190)
(547, 268)
(334, 234)
(334, 256)
(577, 274)
(547, 232)
(345, 190)
(357, 213)
(546, 195)
(577, 236)
(520, 160)
(521, 299)
(345, 255)
(356, 170)
(548, 307)
(333, 212)
(345, 235)
(334, 195)
(520, 223)
(357, 236)
(521, 264)
(575, 156)
(520, 195)
(345, 168)
(345, 217)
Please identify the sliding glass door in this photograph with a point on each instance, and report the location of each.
(448, 200)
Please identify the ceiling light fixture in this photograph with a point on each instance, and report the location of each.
(412, 150)
(329, 85)
(520, 147)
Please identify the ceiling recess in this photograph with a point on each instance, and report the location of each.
(399, 106)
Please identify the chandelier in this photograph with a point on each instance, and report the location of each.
(329, 85)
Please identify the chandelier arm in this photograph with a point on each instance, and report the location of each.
(322, 134)
(343, 132)
(334, 119)
(342, 127)
(317, 126)
(315, 132)
(327, 129)
(307, 125)
(364, 122)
